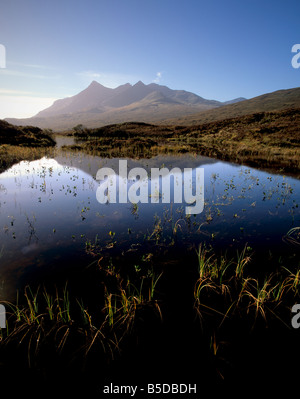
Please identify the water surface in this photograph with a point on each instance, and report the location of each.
(50, 218)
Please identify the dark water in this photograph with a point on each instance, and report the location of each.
(50, 217)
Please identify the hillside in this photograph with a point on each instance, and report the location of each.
(20, 143)
(28, 136)
(267, 140)
(275, 101)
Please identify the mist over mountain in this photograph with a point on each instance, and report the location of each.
(99, 105)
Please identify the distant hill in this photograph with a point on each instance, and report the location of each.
(98, 105)
(275, 101)
(28, 136)
(18, 143)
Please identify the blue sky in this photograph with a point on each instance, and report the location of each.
(217, 49)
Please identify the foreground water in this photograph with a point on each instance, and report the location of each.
(50, 218)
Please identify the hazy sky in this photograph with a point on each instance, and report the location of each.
(217, 49)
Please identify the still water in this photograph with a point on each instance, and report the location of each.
(50, 217)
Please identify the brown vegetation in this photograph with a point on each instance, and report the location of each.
(19, 143)
(268, 140)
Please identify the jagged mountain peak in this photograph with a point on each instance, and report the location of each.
(94, 83)
(101, 98)
(139, 84)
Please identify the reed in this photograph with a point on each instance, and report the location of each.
(258, 295)
(292, 281)
(12, 154)
(211, 266)
(242, 260)
(223, 289)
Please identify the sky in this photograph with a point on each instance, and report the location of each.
(218, 49)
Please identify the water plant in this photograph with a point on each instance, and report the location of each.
(293, 236)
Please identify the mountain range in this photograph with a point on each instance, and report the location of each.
(99, 105)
